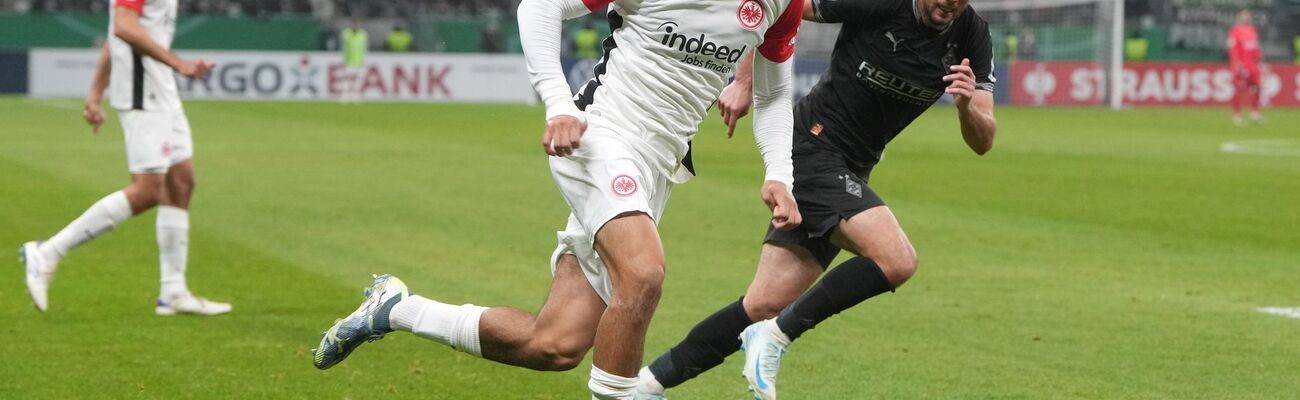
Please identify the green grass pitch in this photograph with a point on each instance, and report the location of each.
(1091, 255)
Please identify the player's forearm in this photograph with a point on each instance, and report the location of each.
(978, 125)
(126, 26)
(539, 35)
(102, 69)
(774, 117)
(745, 73)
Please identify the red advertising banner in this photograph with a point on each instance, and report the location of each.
(1081, 83)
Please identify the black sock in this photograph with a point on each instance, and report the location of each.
(843, 287)
(708, 343)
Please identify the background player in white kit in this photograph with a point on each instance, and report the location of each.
(137, 66)
(619, 146)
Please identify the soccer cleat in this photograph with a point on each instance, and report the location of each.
(367, 324)
(190, 304)
(39, 274)
(647, 388)
(763, 344)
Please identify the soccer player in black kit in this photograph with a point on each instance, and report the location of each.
(892, 60)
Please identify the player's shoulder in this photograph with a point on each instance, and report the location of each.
(971, 21)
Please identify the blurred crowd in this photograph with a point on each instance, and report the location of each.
(324, 9)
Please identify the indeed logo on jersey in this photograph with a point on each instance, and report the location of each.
(897, 87)
(699, 50)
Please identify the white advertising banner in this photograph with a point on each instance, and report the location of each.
(246, 75)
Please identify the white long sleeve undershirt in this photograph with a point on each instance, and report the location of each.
(539, 35)
(774, 118)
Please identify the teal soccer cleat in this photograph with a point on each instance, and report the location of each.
(367, 324)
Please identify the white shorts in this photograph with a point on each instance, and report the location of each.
(156, 140)
(603, 179)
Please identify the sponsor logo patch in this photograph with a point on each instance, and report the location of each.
(852, 187)
(700, 50)
(623, 185)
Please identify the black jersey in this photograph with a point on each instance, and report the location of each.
(886, 69)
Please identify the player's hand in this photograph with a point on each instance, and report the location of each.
(961, 83)
(563, 132)
(734, 103)
(93, 114)
(195, 69)
(785, 212)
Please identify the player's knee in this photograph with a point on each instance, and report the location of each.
(144, 193)
(182, 184)
(639, 294)
(900, 266)
(760, 309)
(560, 355)
(642, 280)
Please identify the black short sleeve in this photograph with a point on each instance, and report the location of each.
(850, 11)
(979, 49)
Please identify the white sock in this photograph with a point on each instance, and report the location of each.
(173, 248)
(606, 386)
(455, 326)
(647, 383)
(100, 218)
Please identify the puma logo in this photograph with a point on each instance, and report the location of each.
(890, 35)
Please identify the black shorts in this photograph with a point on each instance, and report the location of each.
(827, 192)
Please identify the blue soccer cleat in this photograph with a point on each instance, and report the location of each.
(367, 324)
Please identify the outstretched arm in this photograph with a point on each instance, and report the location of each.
(539, 34)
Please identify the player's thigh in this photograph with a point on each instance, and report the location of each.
(179, 139)
(630, 248)
(615, 194)
(784, 272)
(146, 134)
(568, 319)
(876, 234)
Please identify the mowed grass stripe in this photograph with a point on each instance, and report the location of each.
(1086, 230)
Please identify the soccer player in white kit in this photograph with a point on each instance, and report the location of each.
(137, 66)
(618, 147)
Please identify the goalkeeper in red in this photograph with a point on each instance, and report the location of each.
(893, 59)
(1244, 56)
(618, 147)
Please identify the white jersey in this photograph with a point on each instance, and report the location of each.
(667, 61)
(138, 82)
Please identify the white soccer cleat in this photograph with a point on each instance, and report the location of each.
(40, 273)
(763, 344)
(647, 387)
(190, 304)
